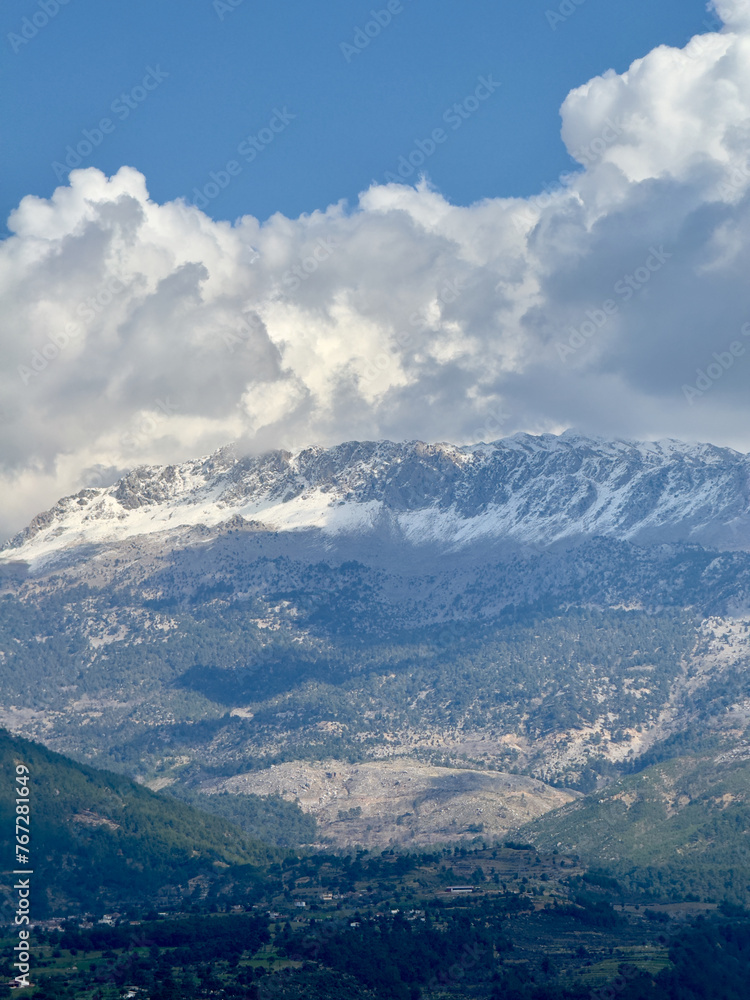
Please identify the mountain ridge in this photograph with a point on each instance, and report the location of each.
(524, 490)
(545, 606)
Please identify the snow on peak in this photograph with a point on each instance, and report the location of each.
(527, 489)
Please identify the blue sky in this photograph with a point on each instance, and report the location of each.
(229, 68)
(578, 257)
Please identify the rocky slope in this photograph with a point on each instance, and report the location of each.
(401, 801)
(527, 491)
(559, 608)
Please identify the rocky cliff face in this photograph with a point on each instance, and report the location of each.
(528, 491)
(559, 606)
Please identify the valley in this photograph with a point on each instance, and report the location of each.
(339, 681)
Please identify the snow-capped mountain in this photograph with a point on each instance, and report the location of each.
(531, 602)
(526, 490)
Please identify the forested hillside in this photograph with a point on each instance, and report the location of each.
(99, 841)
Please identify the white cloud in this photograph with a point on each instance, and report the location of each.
(136, 332)
(734, 13)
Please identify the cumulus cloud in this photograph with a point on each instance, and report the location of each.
(734, 13)
(137, 332)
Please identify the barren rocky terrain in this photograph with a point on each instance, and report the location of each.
(418, 643)
(389, 802)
